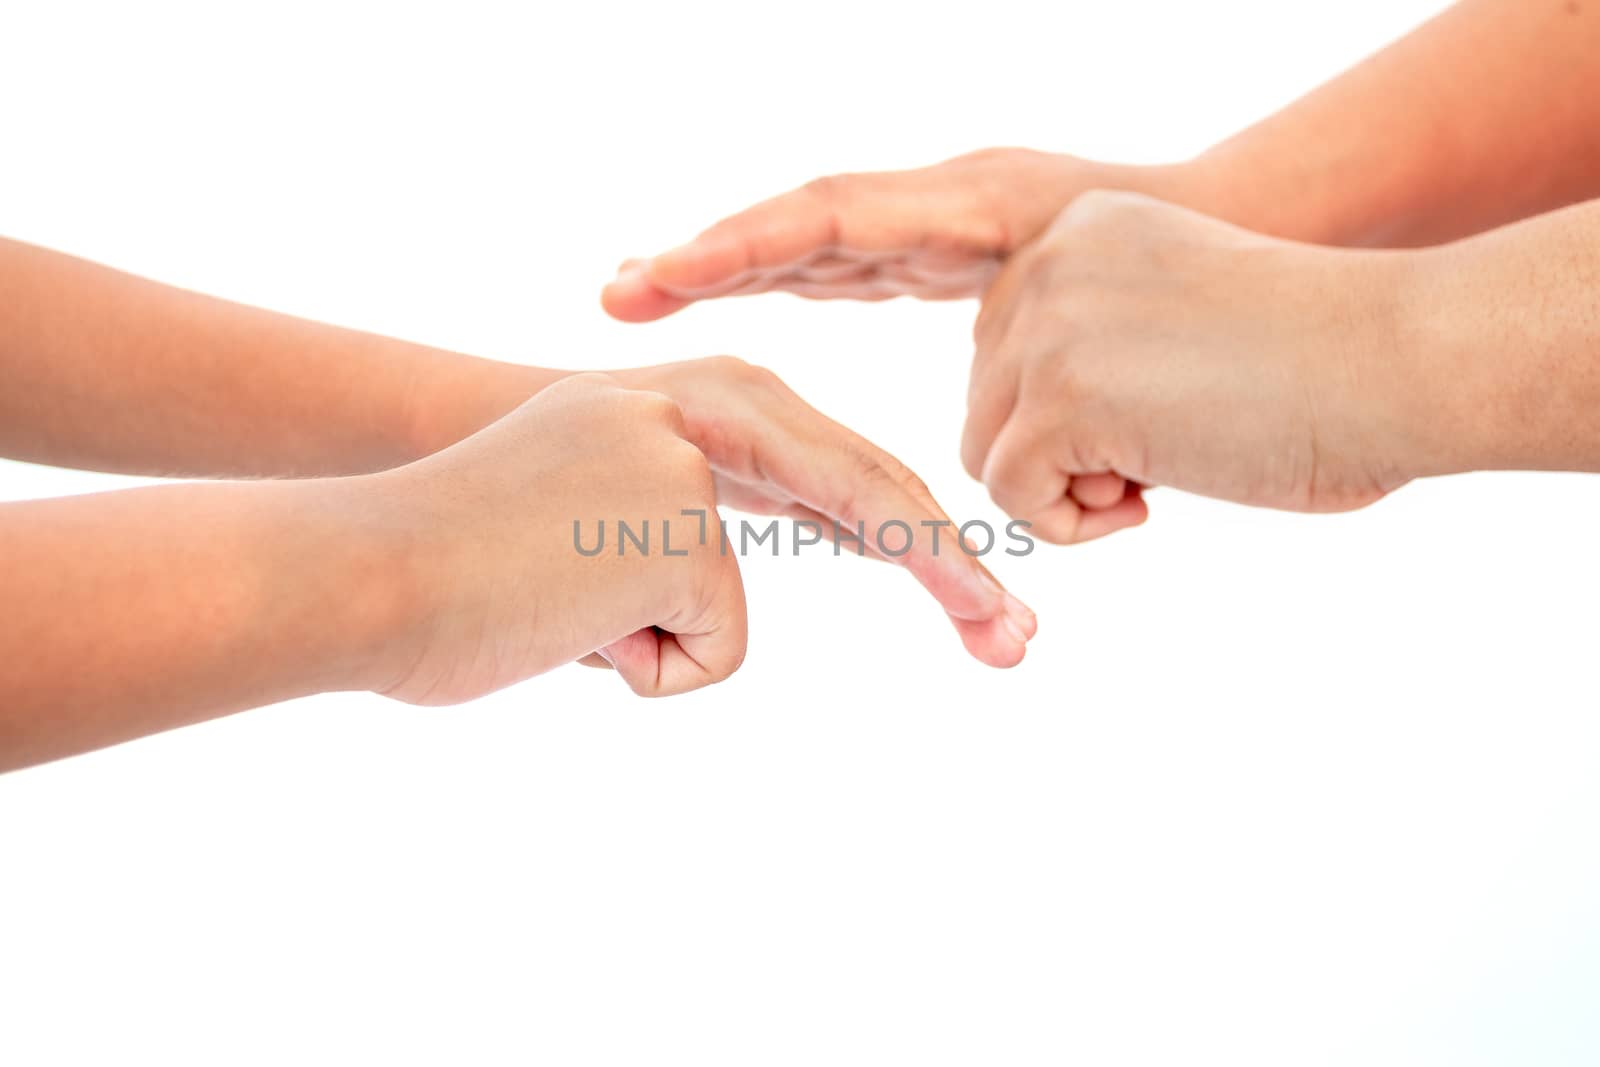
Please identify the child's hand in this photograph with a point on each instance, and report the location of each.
(774, 454)
(499, 590)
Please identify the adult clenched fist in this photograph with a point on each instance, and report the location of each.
(1137, 343)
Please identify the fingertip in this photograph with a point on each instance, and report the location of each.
(1097, 490)
(1021, 617)
(636, 659)
(690, 662)
(630, 297)
(993, 642)
(1130, 511)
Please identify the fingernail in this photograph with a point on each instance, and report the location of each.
(1014, 629)
(1021, 617)
(603, 654)
(628, 273)
(688, 250)
(1018, 609)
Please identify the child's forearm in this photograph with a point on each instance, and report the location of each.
(132, 612)
(122, 614)
(107, 371)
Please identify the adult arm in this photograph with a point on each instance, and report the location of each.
(1139, 340)
(1486, 114)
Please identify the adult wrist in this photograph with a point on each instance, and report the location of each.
(1209, 184)
(1455, 406)
(1228, 182)
(1065, 178)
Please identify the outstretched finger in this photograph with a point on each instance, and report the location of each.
(872, 496)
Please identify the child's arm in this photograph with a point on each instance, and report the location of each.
(107, 371)
(132, 612)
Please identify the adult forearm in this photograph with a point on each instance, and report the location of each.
(108, 371)
(1487, 114)
(1507, 328)
(128, 613)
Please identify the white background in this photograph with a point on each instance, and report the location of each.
(1269, 789)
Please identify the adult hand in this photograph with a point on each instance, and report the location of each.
(499, 590)
(1140, 343)
(774, 454)
(937, 232)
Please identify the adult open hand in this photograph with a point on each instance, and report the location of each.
(936, 232)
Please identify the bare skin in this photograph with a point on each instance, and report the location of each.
(422, 544)
(1137, 342)
(432, 583)
(1403, 150)
(1419, 145)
